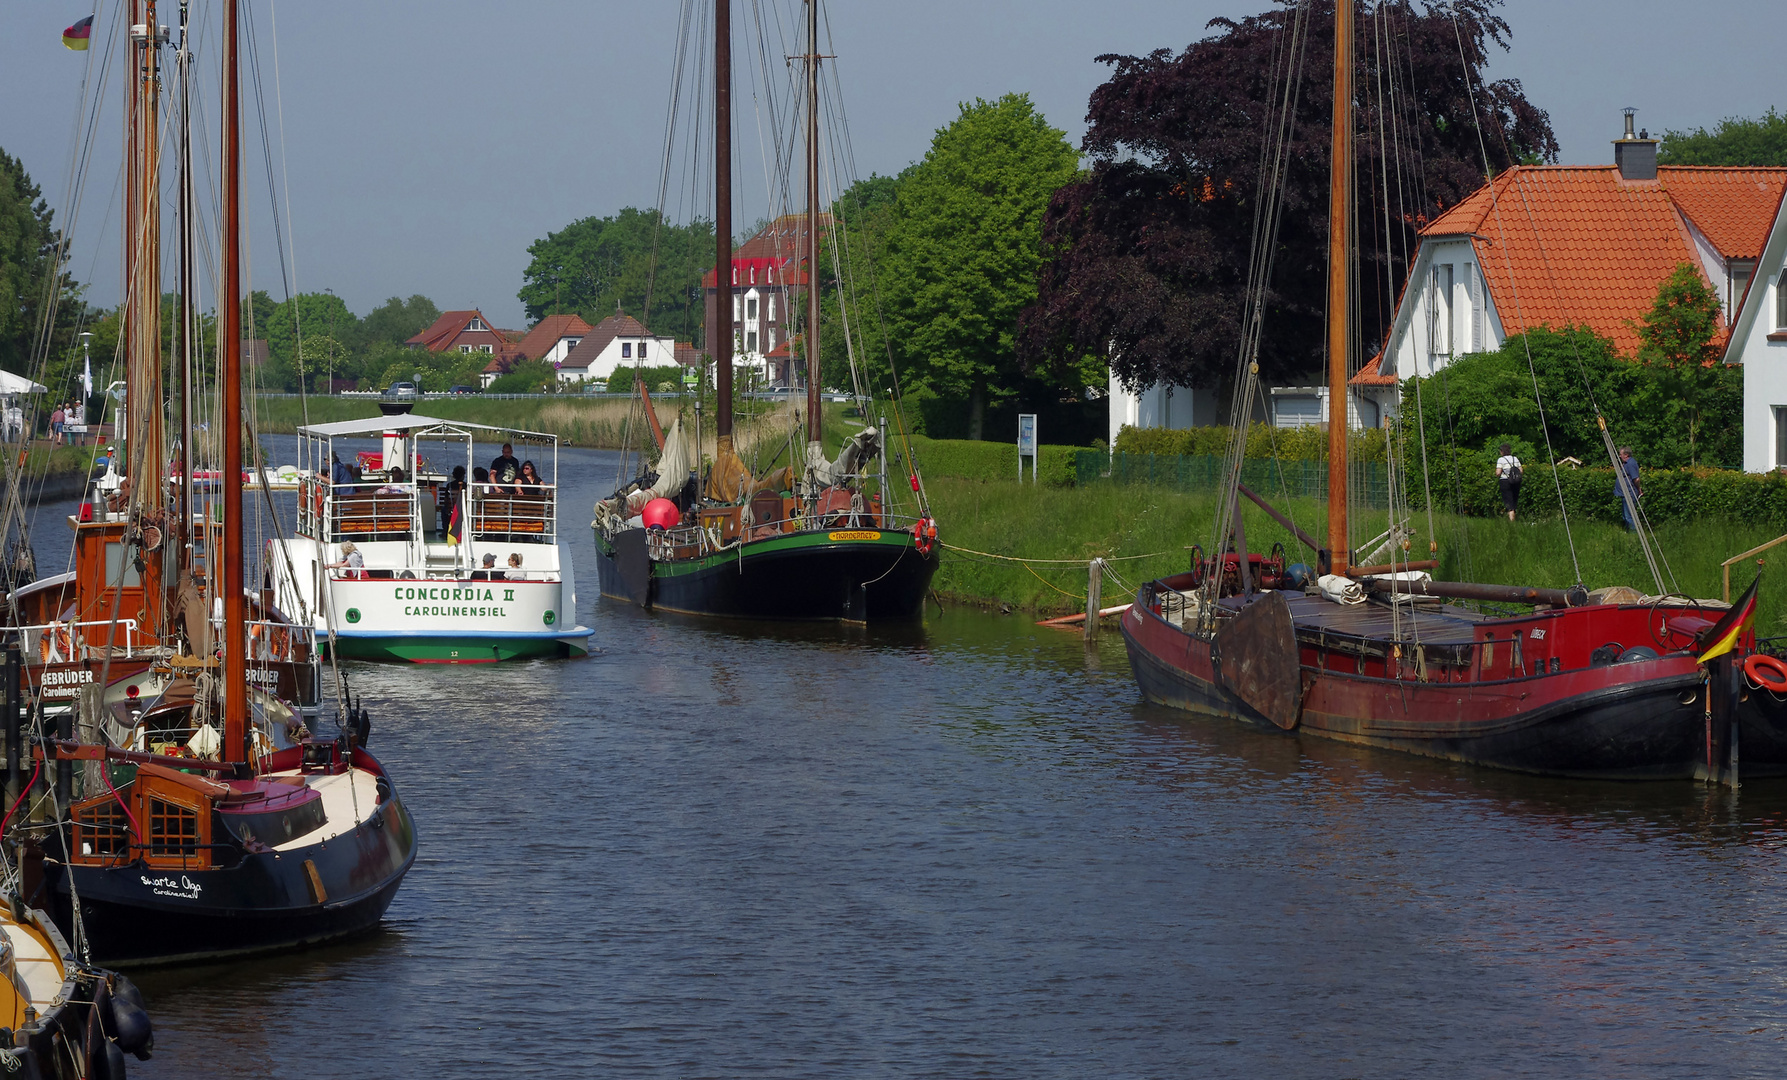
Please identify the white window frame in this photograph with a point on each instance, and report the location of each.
(476, 324)
(1439, 310)
(626, 350)
(1781, 301)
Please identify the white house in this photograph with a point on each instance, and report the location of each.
(1554, 245)
(1160, 406)
(615, 341)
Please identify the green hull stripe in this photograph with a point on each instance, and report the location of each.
(794, 542)
(452, 650)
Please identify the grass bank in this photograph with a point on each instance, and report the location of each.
(1114, 522)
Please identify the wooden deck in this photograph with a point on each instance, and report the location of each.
(1429, 623)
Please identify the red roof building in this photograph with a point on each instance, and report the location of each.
(1557, 246)
(766, 269)
(460, 331)
(553, 337)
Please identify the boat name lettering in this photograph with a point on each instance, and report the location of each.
(1538, 635)
(854, 534)
(183, 889)
(67, 677)
(410, 593)
(460, 612)
(508, 594)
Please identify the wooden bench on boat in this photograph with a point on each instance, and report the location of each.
(377, 516)
(513, 516)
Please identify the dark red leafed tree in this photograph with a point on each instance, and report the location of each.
(1146, 253)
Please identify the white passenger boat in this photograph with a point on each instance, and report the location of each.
(424, 590)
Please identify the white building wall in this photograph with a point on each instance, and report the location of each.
(659, 352)
(1436, 322)
(1159, 406)
(1765, 375)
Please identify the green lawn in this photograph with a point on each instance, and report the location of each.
(1116, 522)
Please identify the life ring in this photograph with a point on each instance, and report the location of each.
(282, 643)
(924, 535)
(257, 641)
(1767, 672)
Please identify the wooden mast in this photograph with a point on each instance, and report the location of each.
(229, 376)
(721, 344)
(814, 426)
(188, 203)
(1340, 206)
(143, 371)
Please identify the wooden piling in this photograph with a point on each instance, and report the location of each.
(1094, 596)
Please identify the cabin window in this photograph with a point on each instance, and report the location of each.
(626, 350)
(120, 570)
(100, 829)
(1439, 311)
(173, 829)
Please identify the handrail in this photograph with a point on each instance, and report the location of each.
(1725, 567)
(74, 637)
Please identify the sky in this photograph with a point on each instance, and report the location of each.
(425, 145)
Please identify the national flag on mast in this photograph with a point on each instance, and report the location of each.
(1721, 637)
(86, 380)
(75, 37)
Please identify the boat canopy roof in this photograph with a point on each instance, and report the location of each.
(413, 423)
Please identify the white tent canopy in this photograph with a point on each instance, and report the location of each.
(18, 384)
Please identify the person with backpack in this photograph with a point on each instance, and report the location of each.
(1507, 474)
(1628, 467)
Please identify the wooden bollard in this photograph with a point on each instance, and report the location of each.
(1094, 596)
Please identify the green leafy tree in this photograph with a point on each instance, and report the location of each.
(963, 248)
(29, 278)
(862, 215)
(1735, 141)
(1676, 342)
(396, 321)
(321, 314)
(594, 265)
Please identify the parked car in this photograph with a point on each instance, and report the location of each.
(464, 389)
(403, 391)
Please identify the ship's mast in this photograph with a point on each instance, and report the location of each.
(188, 282)
(721, 343)
(814, 427)
(1340, 206)
(143, 305)
(229, 376)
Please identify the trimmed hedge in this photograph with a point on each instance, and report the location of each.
(1267, 477)
(1263, 441)
(976, 460)
(1670, 495)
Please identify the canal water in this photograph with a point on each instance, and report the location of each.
(969, 849)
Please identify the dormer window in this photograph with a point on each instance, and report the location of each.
(476, 324)
(573, 342)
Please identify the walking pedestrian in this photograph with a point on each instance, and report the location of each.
(56, 419)
(1630, 493)
(1508, 476)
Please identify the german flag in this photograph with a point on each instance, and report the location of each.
(76, 36)
(1721, 637)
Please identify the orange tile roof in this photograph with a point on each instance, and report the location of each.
(439, 337)
(1569, 245)
(547, 332)
(1732, 207)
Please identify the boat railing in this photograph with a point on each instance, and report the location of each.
(57, 642)
(281, 642)
(502, 514)
(367, 510)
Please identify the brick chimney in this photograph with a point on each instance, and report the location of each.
(1636, 155)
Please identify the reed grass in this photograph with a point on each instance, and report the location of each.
(1077, 524)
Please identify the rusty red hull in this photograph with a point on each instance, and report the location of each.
(1538, 707)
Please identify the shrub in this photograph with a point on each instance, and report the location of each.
(1263, 441)
(972, 460)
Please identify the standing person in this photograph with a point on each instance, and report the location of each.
(505, 471)
(447, 499)
(1508, 475)
(1628, 465)
(56, 419)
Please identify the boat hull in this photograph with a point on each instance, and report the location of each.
(1641, 721)
(137, 915)
(854, 575)
(456, 648)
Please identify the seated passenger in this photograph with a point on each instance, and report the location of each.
(395, 484)
(489, 572)
(339, 474)
(352, 563)
(531, 484)
(515, 573)
(505, 471)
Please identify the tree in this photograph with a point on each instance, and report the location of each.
(594, 265)
(396, 321)
(1736, 141)
(1147, 252)
(963, 248)
(1676, 341)
(30, 277)
(530, 377)
(862, 216)
(323, 315)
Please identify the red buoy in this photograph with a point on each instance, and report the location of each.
(661, 514)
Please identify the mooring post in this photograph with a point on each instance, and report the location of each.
(1094, 596)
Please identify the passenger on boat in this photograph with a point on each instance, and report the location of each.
(515, 572)
(505, 471)
(531, 484)
(481, 477)
(448, 495)
(395, 484)
(489, 572)
(339, 473)
(352, 563)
